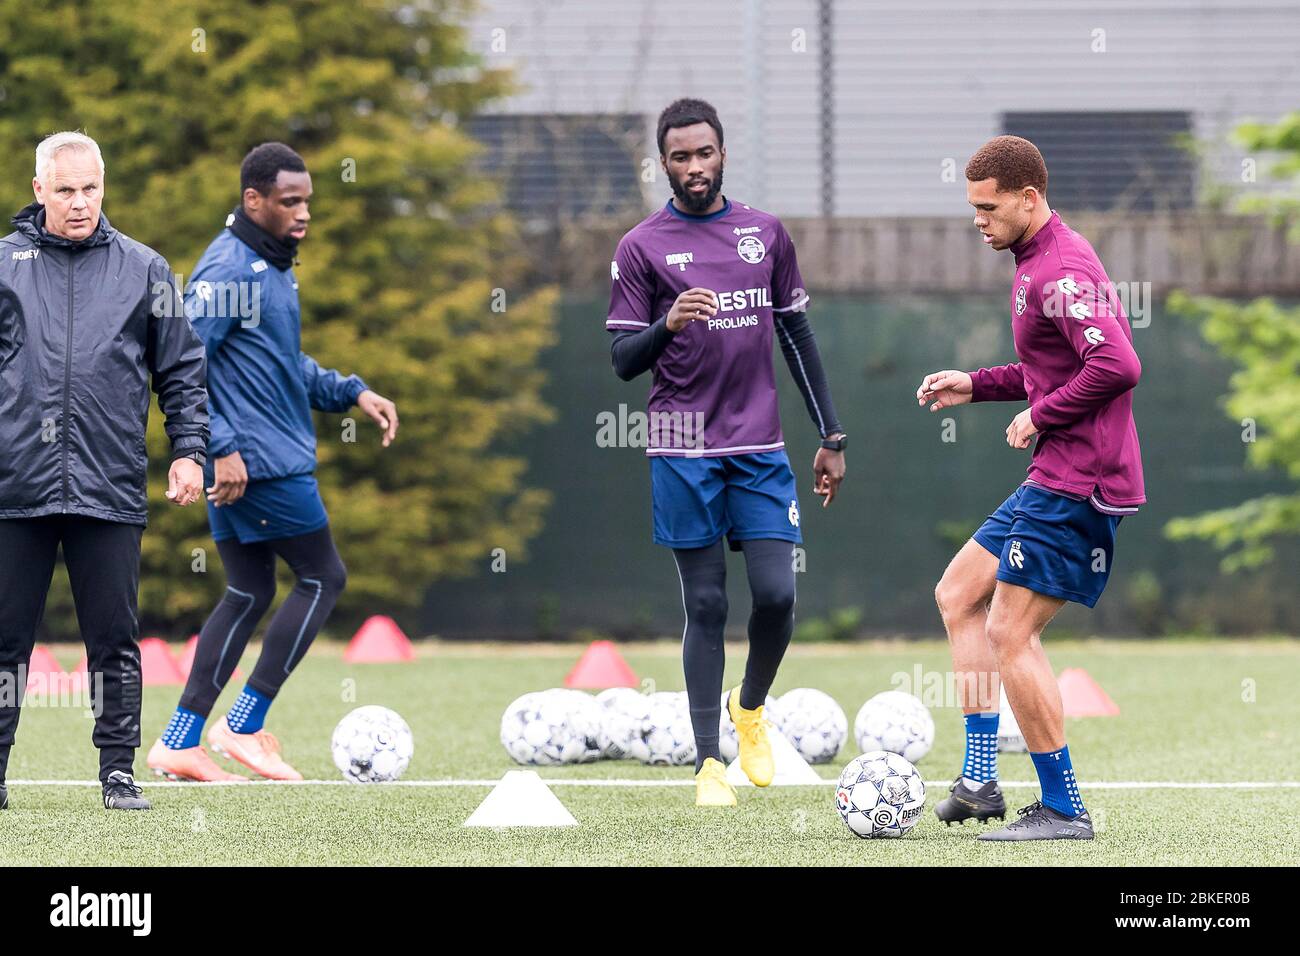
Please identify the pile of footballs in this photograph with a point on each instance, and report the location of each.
(562, 726)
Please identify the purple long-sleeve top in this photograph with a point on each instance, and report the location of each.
(1077, 370)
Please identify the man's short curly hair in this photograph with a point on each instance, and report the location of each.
(1014, 162)
(261, 167)
(687, 112)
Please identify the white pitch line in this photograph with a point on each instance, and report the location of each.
(615, 782)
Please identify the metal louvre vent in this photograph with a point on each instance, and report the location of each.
(1112, 161)
(557, 168)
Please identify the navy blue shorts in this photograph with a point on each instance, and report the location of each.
(269, 509)
(1051, 544)
(745, 497)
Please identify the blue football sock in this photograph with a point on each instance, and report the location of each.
(249, 711)
(184, 730)
(1056, 777)
(981, 764)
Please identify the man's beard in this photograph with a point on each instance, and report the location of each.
(689, 202)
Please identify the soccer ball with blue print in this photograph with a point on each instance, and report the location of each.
(812, 721)
(667, 736)
(372, 744)
(622, 718)
(895, 721)
(536, 730)
(880, 795)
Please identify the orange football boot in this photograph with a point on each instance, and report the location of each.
(259, 751)
(191, 763)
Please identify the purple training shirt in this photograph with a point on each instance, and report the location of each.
(714, 381)
(1077, 369)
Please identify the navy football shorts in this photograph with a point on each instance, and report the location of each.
(697, 500)
(1051, 544)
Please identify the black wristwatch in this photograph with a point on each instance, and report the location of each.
(835, 444)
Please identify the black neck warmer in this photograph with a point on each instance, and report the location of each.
(279, 252)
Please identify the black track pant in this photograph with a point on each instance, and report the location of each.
(103, 561)
(250, 588)
(770, 567)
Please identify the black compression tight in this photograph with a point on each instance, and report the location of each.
(250, 589)
(770, 568)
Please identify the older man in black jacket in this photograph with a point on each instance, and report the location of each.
(87, 316)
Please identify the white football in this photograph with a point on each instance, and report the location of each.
(536, 730)
(372, 744)
(584, 715)
(880, 794)
(667, 734)
(895, 721)
(622, 714)
(812, 722)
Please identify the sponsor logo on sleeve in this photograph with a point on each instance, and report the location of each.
(613, 270)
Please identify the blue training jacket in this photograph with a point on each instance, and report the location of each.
(261, 385)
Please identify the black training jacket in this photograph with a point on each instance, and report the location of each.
(83, 326)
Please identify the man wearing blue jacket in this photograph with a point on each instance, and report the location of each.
(262, 495)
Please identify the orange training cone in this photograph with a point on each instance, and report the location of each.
(601, 666)
(156, 663)
(185, 663)
(1083, 696)
(379, 640)
(43, 671)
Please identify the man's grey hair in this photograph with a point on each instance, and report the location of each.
(55, 143)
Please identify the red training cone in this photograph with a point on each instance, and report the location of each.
(156, 663)
(379, 640)
(601, 666)
(185, 662)
(43, 671)
(1083, 696)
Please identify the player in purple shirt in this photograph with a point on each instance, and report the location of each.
(1053, 540)
(698, 290)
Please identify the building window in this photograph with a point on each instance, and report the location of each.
(1112, 161)
(561, 168)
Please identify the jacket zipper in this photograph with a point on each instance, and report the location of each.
(67, 380)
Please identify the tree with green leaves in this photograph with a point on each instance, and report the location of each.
(412, 276)
(1263, 339)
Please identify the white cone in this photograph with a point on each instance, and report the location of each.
(1010, 740)
(521, 799)
(791, 768)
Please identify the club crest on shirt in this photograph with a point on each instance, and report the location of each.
(1021, 300)
(751, 249)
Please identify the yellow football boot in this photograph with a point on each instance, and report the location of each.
(711, 786)
(755, 749)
